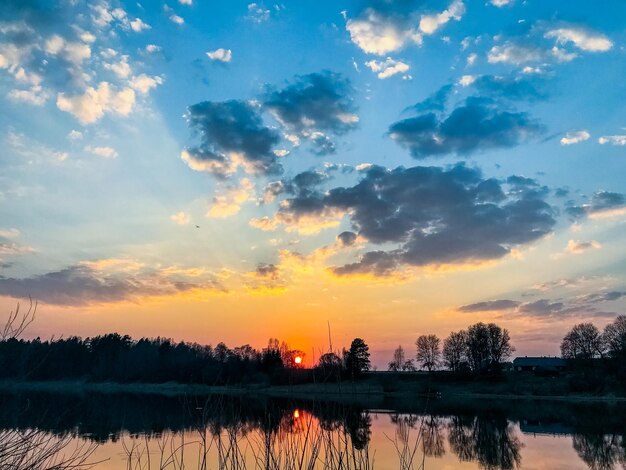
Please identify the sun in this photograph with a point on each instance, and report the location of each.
(298, 360)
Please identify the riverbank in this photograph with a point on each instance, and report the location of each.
(374, 387)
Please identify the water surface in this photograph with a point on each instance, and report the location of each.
(151, 432)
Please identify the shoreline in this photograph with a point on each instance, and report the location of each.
(329, 392)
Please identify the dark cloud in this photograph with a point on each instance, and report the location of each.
(347, 238)
(489, 306)
(304, 184)
(477, 124)
(609, 296)
(322, 144)
(435, 215)
(314, 106)
(269, 271)
(230, 130)
(541, 307)
(509, 87)
(379, 263)
(82, 285)
(600, 202)
(581, 305)
(435, 102)
(561, 192)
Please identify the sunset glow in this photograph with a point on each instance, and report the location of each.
(313, 171)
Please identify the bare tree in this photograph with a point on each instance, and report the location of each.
(398, 360)
(499, 343)
(455, 350)
(583, 341)
(428, 352)
(487, 345)
(614, 337)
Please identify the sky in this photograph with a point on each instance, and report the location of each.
(232, 171)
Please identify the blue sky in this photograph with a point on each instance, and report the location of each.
(432, 156)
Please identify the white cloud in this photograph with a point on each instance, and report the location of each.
(121, 68)
(612, 139)
(577, 247)
(185, 2)
(467, 80)
(176, 19)
(513, 54)
(75, 135)
(138, 25)
(36, 95)
(144, 83)
(108, 53)
(531, 70)
(87, 37)
(431, 23)
(74, 52)
(379, 35)
(471, 59)
(581, 38)
(153, 48)
(229, 202)
(104, 152)
(562, 55)
(101, 16)
(221, 54)
(258, 13)
(501, 3)
(264, 223)
(95, 102)
(9, 233)
(180, 218)
(575, 137)
(387, 68)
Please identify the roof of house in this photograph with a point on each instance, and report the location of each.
(538, 361)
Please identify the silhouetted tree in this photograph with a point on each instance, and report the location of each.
(329, 366)
(583, 341)
(428, 352)
(487, 345)
(455, 350)
(398, 360)
(358, 357)
(478, 346)
(614, 337)
(499, 344)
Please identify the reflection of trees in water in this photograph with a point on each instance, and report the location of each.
(358, 425)
(492, 442)
(600, 451)
(279, 439)
(432, 437)
(429, 432)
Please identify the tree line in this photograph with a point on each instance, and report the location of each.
(480, 347)
(586, 341)
(119, 358)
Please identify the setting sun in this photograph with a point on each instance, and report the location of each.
(298, 360)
